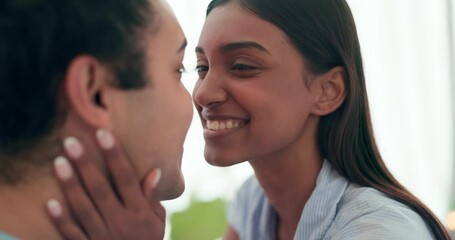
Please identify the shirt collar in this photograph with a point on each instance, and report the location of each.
(321, 208)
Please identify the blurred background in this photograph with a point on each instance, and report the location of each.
(409, 58)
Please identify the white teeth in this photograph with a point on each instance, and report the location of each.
(229, 124)
(224, 125)
(215, 125)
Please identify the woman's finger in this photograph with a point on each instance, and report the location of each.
(82, 207)
(63, 222)
(125, 178)
(148, 187)
(159, 210)
(98, 187)
(143, 218)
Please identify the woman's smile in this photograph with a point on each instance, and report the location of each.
(221, 126)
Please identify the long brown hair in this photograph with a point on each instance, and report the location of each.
(324, 32)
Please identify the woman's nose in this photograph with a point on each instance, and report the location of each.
(209, 92)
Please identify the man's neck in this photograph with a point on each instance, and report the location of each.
(23, 208)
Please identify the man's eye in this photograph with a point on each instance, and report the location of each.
(202, 68)
(182, 69)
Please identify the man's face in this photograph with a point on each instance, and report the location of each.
(152, 122)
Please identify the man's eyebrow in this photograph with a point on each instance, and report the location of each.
(183, 46)
(236, 45)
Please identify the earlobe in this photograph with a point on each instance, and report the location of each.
(330, 89)
(84, 86)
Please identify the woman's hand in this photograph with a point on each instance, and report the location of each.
(101, 211)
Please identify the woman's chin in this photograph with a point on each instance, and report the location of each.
(221, 160)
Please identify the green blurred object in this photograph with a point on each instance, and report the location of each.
(200, 221)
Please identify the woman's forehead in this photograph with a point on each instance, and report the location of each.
(231, 23)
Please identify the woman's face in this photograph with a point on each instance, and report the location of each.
(252, 93)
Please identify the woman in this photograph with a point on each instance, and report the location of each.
(291, 71)
(281, 85)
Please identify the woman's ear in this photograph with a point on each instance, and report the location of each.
(85, 84)
(330, 91)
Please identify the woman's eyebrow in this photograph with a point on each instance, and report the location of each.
(241, 45)
(199, 50)
(235, 46)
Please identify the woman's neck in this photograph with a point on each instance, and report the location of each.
(23, 208)
(288, 179)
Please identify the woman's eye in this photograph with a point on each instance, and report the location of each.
(242, 67)
(202, 71)
(201, 68)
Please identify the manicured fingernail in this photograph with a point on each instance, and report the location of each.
(54, 207)
(157, 178)
(73, 147)
(63, 168)
(150, 182)
(105, 139)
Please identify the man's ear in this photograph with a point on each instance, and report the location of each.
(85, 84)
(330, 91)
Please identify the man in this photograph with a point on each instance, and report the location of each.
(70, 68)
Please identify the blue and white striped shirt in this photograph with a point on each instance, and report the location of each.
(337, 209)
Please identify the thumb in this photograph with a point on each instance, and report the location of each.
(148, 187)
(149, 184)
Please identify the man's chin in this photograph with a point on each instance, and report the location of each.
(173, 192)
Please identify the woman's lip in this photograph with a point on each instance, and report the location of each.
(212, 134)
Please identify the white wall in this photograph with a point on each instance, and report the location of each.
(405, 45)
